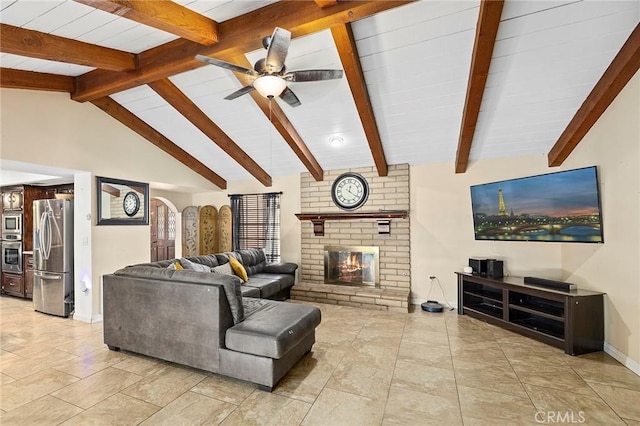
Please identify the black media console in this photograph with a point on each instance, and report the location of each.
(571, 320)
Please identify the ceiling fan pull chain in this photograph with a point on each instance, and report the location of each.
(270, 138)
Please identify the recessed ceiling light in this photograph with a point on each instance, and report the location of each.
(335, 140)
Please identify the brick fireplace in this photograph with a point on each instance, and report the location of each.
(393, 286)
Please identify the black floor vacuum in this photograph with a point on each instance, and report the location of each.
(433, 305)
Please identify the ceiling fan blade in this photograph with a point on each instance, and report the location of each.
(289, 97)
(226, 65)
(313, 75)
(239, 92)
(278, 49)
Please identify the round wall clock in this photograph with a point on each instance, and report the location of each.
(131, 203)
(350, 191)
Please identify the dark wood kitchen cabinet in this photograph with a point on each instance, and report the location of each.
(27, 263)
(12, 284)
(31, 193)
(18, 199)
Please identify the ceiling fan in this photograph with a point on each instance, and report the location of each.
(269, 76)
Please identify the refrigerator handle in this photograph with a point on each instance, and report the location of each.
(45, 232)
(47, 276)
(41, 235)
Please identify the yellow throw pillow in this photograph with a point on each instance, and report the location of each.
(175, 266)
(238, 268)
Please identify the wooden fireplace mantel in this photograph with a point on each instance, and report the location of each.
(318, 219)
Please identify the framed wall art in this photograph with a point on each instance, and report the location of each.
(558, 207)
(122, 202)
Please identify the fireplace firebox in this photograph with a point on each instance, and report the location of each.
(355, 265)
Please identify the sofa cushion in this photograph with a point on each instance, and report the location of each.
(285, 280)
(252, 304)
(230, 284)
(223, 258)
(248, 291)
(253, 260)
(273, 329)
(267, 286)
(280, 268)
(238, 269)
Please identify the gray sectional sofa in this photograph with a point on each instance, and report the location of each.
(210, 320)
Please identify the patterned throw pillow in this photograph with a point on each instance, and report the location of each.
(238, 268)
(187, 264)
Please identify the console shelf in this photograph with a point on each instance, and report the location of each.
(573, 320)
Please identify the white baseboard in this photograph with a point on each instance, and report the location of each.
(89, 319)
(622, 358)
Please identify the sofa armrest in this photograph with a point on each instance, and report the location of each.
(280, 268)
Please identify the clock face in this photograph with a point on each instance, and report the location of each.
(350, 191)
(131, 204)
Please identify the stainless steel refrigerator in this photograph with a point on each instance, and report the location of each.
(53, 256)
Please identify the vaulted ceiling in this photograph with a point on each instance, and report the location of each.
(425, 81)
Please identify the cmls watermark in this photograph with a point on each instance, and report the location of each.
(555, 417)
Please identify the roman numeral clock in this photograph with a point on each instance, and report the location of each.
(350, 191)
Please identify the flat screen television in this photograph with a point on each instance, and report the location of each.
(559, 207)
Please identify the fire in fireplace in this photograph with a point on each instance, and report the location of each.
(355, 265)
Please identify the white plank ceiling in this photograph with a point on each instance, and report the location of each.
(415, 58)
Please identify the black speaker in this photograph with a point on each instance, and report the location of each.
(552, 284)
(494, 268)
(479, 266)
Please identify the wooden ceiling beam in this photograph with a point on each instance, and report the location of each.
(111, 190)
(238, 36)
(34, 44)
(281, 122)
(19, 79)
(170, 93)
(486, 31)
(326, 3)
(623, 67)
(165, 15)
(131, 121)
(348, 51)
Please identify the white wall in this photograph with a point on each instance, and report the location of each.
(442, 237)
(614, 267)
(49, 129)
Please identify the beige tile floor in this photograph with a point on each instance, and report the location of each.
(367, 368)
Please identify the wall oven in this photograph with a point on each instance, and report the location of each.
(12, 256)
(12, 226)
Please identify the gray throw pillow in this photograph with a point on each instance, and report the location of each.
(223, 269)
(187, 264)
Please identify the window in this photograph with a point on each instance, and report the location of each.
(256, 223)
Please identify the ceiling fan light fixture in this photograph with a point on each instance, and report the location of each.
(269, 86)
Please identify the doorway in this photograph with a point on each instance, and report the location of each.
(163, 231)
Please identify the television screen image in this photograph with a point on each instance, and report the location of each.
(560, 207)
